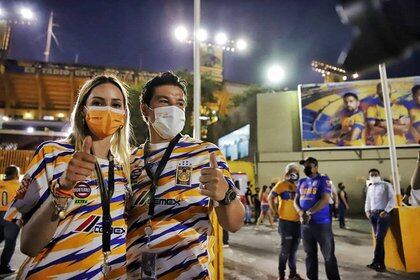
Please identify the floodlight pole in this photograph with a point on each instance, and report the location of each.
(197, 75)
(390, 129)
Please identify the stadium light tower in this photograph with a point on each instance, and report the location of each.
(275, 74)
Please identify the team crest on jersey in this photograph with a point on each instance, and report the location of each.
(82, 190)
(314, 183)
(183, 174)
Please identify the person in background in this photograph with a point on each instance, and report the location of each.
(257, 204)
(380, 200)
(311, 203)
(265, 207)
(343, 205)
(333, 201)
(9, 231)
(248, 204)
(407, 196)
(289, 225)
(352, 122)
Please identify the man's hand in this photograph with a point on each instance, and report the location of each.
(383, 214)
(80, 166)
(304, 217)
(213, 183)
(368, 215)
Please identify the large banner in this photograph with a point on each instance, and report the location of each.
(352, 115)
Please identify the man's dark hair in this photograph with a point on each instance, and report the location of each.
(415, 89)
(11, 172)
(348, 94)
(163, 79)
(374, 170)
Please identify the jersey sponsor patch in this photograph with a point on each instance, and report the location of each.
(82, 190)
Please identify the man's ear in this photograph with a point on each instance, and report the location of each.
(147, 113)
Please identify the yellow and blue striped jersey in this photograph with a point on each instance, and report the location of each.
(75, 251)
(181, 223)
(350, 121)
(377, 113)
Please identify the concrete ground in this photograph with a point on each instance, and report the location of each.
(253, 254)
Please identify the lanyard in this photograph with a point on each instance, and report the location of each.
(155, 176)
(106, 196)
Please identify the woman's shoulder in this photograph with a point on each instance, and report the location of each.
(54, 147)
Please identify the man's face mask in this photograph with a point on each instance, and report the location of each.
(169, 121)
(104, 121)
(375, 179)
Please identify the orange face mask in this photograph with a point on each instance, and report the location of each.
(103, 121)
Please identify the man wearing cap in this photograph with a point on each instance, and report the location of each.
(289, 225)
(311, 203)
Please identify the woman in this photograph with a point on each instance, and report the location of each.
(73, 197)
(265, 207)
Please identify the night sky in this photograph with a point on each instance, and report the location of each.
(138, 34)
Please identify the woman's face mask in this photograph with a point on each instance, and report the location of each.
(169, 121)
(104, 121)
(294, 177)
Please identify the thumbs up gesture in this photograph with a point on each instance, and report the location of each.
(80, 166)
(213, 183)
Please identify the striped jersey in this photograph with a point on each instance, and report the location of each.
(181, 223)
(75, 251)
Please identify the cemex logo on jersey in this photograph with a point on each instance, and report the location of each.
(144, 199)
(91, 225)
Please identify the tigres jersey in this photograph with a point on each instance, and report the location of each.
(75, 251)
(286, 191)
(377, 113)
(181, 222)
(352, 120)
(7, 193)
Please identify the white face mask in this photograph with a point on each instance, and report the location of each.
(375, 179)
(169, 121)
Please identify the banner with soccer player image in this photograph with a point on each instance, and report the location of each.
(351, 114)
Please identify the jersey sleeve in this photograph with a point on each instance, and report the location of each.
(277, 190)
(37, 181)
(359, 121)
(325, 186)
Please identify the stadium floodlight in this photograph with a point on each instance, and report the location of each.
(344, 78)
(26, 13)
(181, 33)
(275, 74)
(355, 76)
(241, 44)
(30, 129)
(221, 39)
(202, 35)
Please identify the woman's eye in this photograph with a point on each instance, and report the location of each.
(116, 105)
(96, 103)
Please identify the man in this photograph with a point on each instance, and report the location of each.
(376, 121)
(289, 225)
(343, 205)
(175, 191)
(414, 112)
(380, 200)
(352, 122)
(311, 203)
(8, 230)
(257, 204)
(248, 203)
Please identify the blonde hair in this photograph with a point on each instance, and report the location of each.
(120, 147)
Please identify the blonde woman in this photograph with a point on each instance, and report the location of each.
(73, 197)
